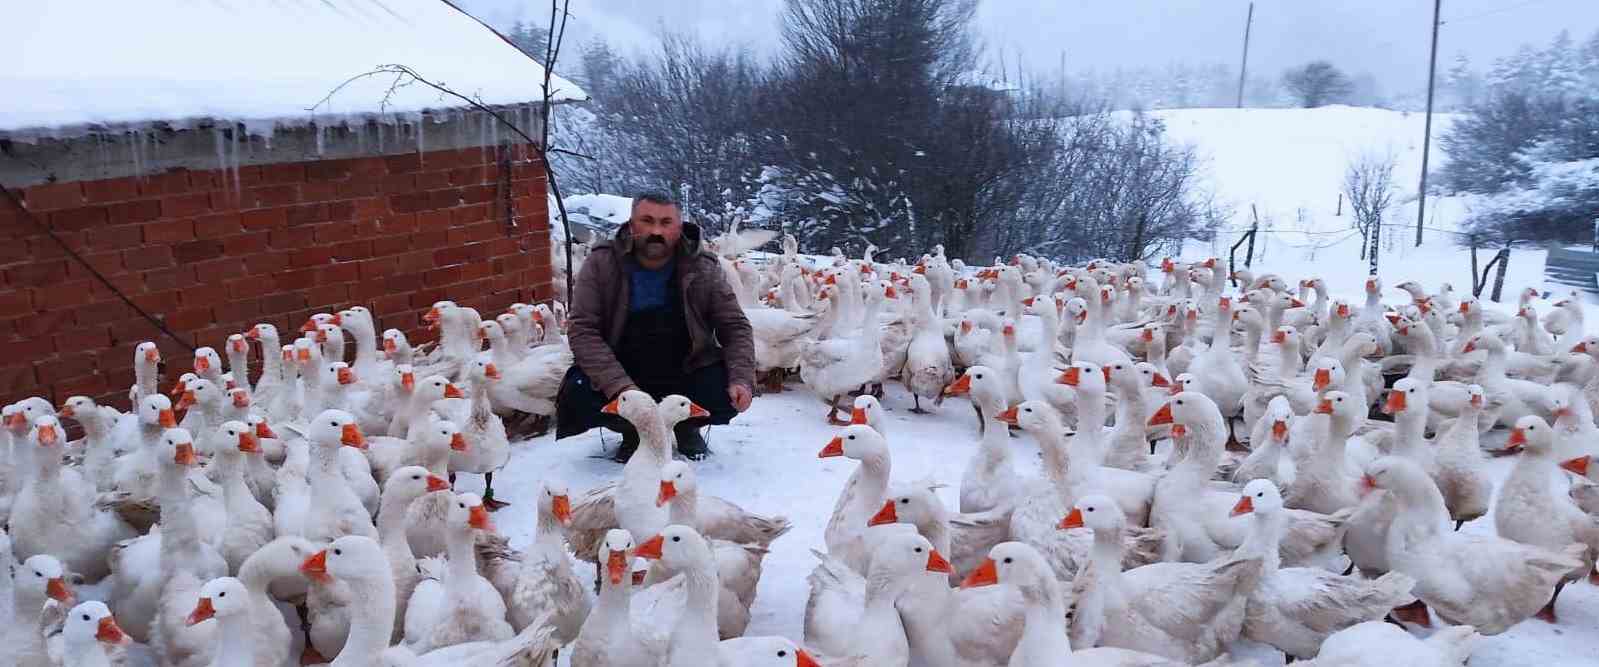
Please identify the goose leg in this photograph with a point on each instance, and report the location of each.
(1415, 612)
(1458, 524)
(1547, 614)
(981, 424)
(489, 502)
(917, 405)
(832, 413)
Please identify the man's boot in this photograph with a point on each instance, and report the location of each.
(629, 445)
(689, 442)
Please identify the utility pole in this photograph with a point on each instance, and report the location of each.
(1243, 66)
(1426, 139)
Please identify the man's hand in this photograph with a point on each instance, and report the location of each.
(740, 395)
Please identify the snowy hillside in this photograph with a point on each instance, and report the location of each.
(1289, 164)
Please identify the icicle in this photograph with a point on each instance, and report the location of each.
(222, 148)
(318, 127)
(421, 122)
(241, 134)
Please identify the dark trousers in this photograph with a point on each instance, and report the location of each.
(577, 406)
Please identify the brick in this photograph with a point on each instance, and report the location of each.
(328, 295)
(15, 302)
(53, 196)
(319, 192)
(441, 277)
(203, 295)
(15, 380)
(185, 206)
(477, 232)
(215, 226)
(176, 277)
(294, 280)
(136, 211)
(451, 255)
(400, 164)
(189, 319)
(341, 211)
(83, 338)
(115, 237)
(392, 306)
(66, 366)
(289, 239)
(405, 282)
(329, 170)
(84, 385)
(170, 182)
(80, 218)
(390, 245)
(334, 232)
(425, 299)
(106, 311)
(414, 262)
(251, 288)
(479, 194)
(469, 176)
(245, 244)
(476, 271)
(369, 270)
(110, 190)
(197, 251)
(282, 303)
(15, 252)
(37, 274)
(157, 302)
(237, 310)
(283, 172)
(358, 189)
(397, 184)
(217, 270)
(41, 248)
(352, 250)
(432, 180)
(168, 231)
(151, 257)
(398, 223)
(64, 295)
(312, 256)
(307, 214)
(342, 272)
(411, 202)
(434, 220)
(271, 195)
(363, 292)
(466, 215)
(267, 262)
(428, 238)
(267, 218)
(446, 198)
(370, 207)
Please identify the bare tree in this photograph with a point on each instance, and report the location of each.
(1369, 184)
(1317, 84)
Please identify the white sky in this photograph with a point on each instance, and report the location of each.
(1388, 38)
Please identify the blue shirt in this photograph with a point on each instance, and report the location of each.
(648, 288)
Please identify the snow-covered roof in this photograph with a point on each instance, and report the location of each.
(75, 62)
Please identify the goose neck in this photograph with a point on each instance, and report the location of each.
(366, 347)
(684, 510)
(392, 519)
(371, 629)
(86, 653)
(462, 565)
(1265, 534)
(1106, 553)
(235, 640)
(1410, 433)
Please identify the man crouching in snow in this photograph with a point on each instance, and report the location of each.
(652, 312)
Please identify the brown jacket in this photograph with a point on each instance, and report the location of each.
(717, 328)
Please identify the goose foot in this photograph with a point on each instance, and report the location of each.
(1547, 614)
(310, 656)
(832, 414)
(1414, 613)
(1593, 577)
(489, 503)
(1349, 569)
(916, 406)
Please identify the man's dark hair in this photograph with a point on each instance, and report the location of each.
(662, 197)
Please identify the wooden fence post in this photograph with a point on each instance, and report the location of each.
(1499, 276)
(1475, 291)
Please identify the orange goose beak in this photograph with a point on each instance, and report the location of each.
(986, 574)
(1073, 519)
(884, 516)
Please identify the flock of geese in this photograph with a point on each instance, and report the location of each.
(1224, 457)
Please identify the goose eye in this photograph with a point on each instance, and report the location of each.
(677, 539)
(852, 437)
(223, 594)
(1090, 509)
(1180, 402)
(36, 573)
(1260, 494)
(338, 552)
(904, 501)
(780, 654)
(85, 617)
(416, 477)
(333, 423)
(918, 549)
(1008, 561)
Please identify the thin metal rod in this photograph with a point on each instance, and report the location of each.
(1426, 139)
(1243, 66)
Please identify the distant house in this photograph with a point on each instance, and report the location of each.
(224, 163)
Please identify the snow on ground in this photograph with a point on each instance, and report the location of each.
(76, 62)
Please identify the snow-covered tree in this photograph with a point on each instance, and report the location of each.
(1317, 84)
(1462, 85)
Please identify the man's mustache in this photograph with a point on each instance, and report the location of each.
(655, 238)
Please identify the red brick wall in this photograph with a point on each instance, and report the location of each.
(393, 233)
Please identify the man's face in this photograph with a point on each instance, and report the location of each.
(656, 229)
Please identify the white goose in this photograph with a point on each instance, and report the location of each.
(1297, 608)
(738, 565)
(854, 617)
(540, 582)
(608, 637)
(459, 606)
(836, 366)
(91, 636)
(990, 481)
(1530, 511)
(35, 581)
(54, 511)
